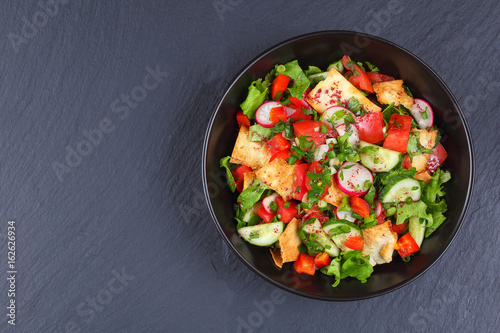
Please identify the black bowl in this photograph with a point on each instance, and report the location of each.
(320, 49)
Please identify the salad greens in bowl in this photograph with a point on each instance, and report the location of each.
(338, 166)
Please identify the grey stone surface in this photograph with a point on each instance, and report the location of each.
(122, 241)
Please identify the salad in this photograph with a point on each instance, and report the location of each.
(337, 170)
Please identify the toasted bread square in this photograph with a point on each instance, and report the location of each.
(279, 176)
(427, 138)
(424, 176)
(392, 92)
(248, 179)
(419, 162)
(335, 195)
(252, 154)
(379, 242)
(288, 243)
(334, 88)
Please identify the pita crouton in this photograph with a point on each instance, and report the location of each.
(379, 243)
(288, 244)
(424, 176)
(392, 92)
(419, 162)
(334, 88)
(253, 154)
(335, 195)
(278, 175)
(248, 179)
(427, 138)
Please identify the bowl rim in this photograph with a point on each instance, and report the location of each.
(450, 95)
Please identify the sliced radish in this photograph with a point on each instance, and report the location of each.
(345, 215)
(290, 112)
(353, 178)
(320, 152)
(378, 208)
(335, 115)
(262, 115)
(352, 131)
(422, 112)
(266, 202)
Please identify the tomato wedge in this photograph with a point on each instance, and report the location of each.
(265, 215)
(299, 102)
(377, 77)
(305, 264)
(299, 182)
(277, 144)
(399, 229)
(359, 79)
(238, 174)
(406, 245)
(315, 131)
(407, 162)
(286, 209)
(280, 83)
(436, 159)
(398, 133)
(371, 127)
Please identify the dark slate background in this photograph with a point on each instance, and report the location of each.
(123, 241)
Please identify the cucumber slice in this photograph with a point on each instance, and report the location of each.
(417, 230)
(402, 190)
(262, 234)
(340, 231)
(382, 160)
(321, 238)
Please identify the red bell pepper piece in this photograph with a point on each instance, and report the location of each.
(280, 83)
(406, 245)
(305, 264)
(265, 215)
(299, 115)
(287, 214)
(355, 243)
(242, 119)
(359, 79)
(407, 162)
(283, 154)
(359, 206)
(277, 144)
(398, 133)
(322, 259)
(436, 159)
(277, 114)
(299, 102)
(371, 127)
(299, 181)
(399, 229)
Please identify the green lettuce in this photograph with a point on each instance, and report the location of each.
(257, 92)
(224, 163)
(250, 196)
(297, 76)
(352, 264)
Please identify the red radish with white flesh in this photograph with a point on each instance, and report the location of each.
(352, 131)
(378, 208)
(353, 178)
(290, 112)
(263, 113)
(335, 116)
(320, 152)
(422, 113)
(266, 202)
(345, 215)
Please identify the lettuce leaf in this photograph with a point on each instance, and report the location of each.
(409, 209)
(352, 264)
(249, 197)
(257, 92)
(224, 163)
(297, 76)
(433, 196)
